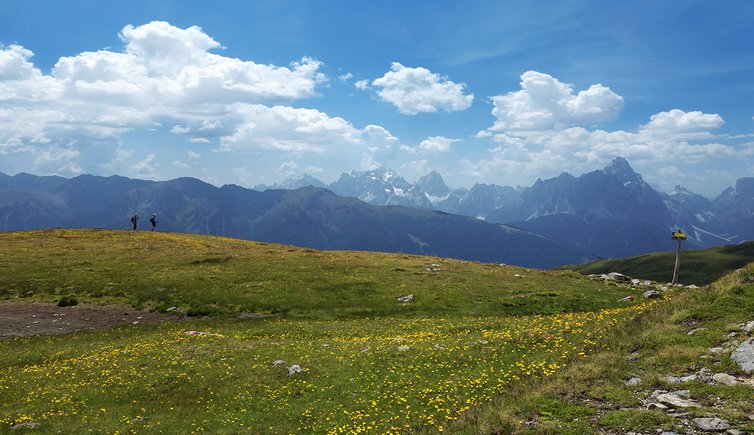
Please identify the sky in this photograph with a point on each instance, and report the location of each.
(504, 92)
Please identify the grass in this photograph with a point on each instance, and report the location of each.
(377, 375)
(212, 275)
(479, 351)
(699, 267)
(653, 346)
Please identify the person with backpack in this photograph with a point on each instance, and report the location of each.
(153, 220)
(135, 219)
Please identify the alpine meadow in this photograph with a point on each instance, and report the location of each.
(377, 217)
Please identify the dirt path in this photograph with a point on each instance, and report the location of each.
(19, 319)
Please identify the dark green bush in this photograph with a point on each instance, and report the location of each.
(67, 301)
(199, 311)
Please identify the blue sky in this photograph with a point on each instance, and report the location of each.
(252, 92)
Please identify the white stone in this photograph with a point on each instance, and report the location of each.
(294, 369)
(744, 355)
(633, 382)
(689, 378)
(749, 326)
(724, 379)
(711, 424)
(405, 298)
(672, 399)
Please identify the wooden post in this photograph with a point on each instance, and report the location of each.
(679, 236)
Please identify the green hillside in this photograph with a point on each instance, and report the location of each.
(698, 267)
(483, 348)
(214, 275)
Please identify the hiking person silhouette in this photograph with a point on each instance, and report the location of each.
(153, 220)
(135, 219)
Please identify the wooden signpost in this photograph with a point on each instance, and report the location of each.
(680, 236)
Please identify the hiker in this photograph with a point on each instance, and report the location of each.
(135, 219)
(153, 220)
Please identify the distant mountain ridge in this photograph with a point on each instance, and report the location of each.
(309, 217)
(611, 212)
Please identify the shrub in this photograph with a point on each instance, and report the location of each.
(67, 301)
(199, 311)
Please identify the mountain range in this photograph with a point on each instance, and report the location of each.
(309, 217)
(605, 213)
(611, 212)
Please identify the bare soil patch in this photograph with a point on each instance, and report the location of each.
(19, 319)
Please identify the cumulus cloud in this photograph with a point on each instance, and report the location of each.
(345, 77)
(287, 129)
(163, 75)
(436, 144)
(418, 90)
(289, 168)
(545, 102)
(147, 168)
(362, 85)
(168, 79)
(678, 122)
(668, 138)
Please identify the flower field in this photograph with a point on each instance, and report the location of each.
(383, 375)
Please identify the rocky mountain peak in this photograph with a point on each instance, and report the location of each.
(622, 170)
(433, 184)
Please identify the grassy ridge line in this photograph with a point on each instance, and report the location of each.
(215, 275)
(698, 267)
(591, 396)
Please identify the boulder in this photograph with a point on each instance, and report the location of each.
(617, 277)
(724, 379)
(405, 299)
(652, 294)
(294, 369)
(675, 401)
(749, 326)
(711, 424)
(744, 355)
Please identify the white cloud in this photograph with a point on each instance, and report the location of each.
(381, 146)
(287, 129)
(164, 75)
(678, 122)
(21, 81)
(193, 155)
(180, 129)
(313, 170)
(345, 77)
(362, 85)
(244, 176)
(418, 90)
(146, 168)
(288, 169)
(544, 102)
(179, 164)
(421, 167)
(669, 138)
(59, 160)
(436, 144)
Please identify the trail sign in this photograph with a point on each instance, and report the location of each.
(680, 236)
